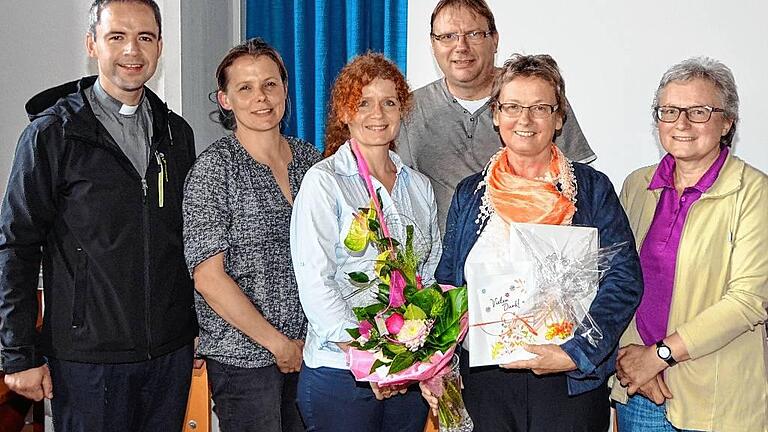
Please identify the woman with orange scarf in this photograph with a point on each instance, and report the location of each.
(530, 181)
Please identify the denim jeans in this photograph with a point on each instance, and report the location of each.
(331, 400)
(254, 399)
(145, 396)
(642, 415)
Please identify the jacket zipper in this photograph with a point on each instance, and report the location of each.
(145, 229)
(144, 188)
(162, 173)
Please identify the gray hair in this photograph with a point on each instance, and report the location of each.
(94, 13)
(715, 72)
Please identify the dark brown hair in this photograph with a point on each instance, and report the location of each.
(255, 47)
(480, 7)
(94, 13)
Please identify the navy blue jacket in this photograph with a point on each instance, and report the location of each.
(620, 289)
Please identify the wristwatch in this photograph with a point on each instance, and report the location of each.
(664, 353)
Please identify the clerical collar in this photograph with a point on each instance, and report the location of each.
(112, 104)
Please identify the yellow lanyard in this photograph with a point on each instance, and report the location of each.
(162, 177)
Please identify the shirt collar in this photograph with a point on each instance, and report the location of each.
(664, 177)
(113, 105)
(451, 99)
(345, 163)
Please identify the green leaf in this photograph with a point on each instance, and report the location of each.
(385, 242)
(409, 239)
(392, 349)
(402, 361)
(447, 325)
(376, 365)
(378, 195)
(413, 312)
(395, 349)
(373, 225)
(409, 291)
(373, 309)
(382, 298)
(384, 288)
(430, 300)
(354, 332)
(359, 277)
(370, 344)
(359, 312)
(367, 312)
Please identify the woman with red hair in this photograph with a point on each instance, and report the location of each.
(368, 101)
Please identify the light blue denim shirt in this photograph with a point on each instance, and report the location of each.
(331, 193)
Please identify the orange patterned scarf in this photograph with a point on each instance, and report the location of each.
(518, 199)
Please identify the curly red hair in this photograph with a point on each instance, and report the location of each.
(348, 90)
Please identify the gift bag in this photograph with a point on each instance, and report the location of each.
(529, 284)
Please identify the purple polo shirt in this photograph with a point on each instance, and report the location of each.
(658, 254)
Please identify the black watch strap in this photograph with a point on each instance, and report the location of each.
(664, 353)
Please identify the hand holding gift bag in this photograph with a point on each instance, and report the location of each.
(534, 287)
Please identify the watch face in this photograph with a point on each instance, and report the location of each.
(664, 352)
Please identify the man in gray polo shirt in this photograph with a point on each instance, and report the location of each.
(450, 133)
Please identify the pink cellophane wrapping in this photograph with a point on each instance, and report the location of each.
(360, 363)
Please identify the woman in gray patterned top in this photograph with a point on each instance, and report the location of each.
(237, 208)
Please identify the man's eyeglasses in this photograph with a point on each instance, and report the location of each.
(538, 111)
(473, 37)
(695, 114)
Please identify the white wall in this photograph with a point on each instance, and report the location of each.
(612, 55)
(42, 42)
(37, 54)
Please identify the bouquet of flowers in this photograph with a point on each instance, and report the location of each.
(410, 331)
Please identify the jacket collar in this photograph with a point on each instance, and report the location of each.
(68, 101)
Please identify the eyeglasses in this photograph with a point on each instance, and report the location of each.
(473, 37)
(695, 114)
(538, 111)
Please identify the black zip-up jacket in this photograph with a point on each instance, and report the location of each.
(115, 283)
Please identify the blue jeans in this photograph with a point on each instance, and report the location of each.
(144, 396)
(642, 415)
(331, 400)
(254, 399)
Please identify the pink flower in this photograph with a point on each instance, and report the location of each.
(365, 327)
(414, 333)
(394, 323)
(419, 285)
(396, 287)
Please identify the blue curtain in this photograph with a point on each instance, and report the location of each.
(316, 39)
